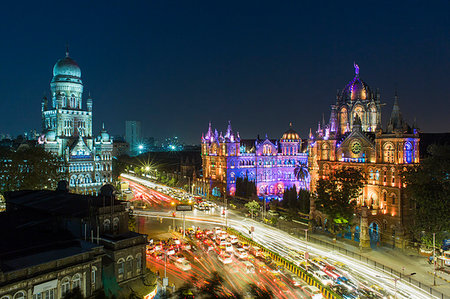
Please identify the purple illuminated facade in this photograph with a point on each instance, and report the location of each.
(273, 165)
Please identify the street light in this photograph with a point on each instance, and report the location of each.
(395, 280)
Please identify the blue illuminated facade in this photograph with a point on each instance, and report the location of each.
(273, 165)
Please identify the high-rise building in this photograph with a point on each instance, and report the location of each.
(67, 130)
(354, 137)
(133, 135)
(273, 165)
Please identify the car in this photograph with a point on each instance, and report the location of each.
(249, 268)
(208, 245)
(170, 251)
(183, 265)
(233, 239)
(241, 253)
(345, 282)
(256, 251)
(177, 257)
(323, 278)
(158, 255)
(313, 292)
(228, 247)
(225, 258)
(176, 241)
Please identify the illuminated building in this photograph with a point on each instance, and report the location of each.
(354, 137)
(67, 130)
(273, 165)
(133, 135)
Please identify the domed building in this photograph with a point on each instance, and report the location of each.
(67, 130)
(354, 137)
(273, 165)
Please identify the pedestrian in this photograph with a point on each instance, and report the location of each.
(173, 287)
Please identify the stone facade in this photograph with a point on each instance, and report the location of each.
(67, 130)
(354, 137)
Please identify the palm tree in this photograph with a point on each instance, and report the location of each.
(301, 173)
(258, 292)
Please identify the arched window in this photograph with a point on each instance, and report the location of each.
(65, 286)
(393, 198)
(371, 174)
(121, 267)
(408, 153)
(76, 281)
(377, 175)
(20, 295)
(343, 118)
(325, 151)
(138, 263)
(93, 276)
(129, 265)
(106, 225)
(116, 224)
(5, 297)
(388, 153)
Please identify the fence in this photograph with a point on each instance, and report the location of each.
(308, 278)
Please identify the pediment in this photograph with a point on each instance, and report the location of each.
(80, 150)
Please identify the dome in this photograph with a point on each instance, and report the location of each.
(290, 134)
(66, 67)
(356, 89)
(50, 136)
(104, 136)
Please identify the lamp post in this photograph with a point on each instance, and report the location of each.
(434, 259)
(395, 281)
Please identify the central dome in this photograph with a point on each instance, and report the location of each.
(290, 134)
(66, 67)
(356, 89)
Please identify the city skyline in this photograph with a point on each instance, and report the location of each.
(227, 63)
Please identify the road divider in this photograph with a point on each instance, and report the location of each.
(305, 276)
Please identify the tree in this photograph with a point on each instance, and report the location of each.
(301, 172)
(336, 196)
(428, 186)
(303, 201)
(30, 168)
(253, 206)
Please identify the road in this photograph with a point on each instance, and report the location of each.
(364, 276)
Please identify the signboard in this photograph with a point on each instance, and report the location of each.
(184, 208)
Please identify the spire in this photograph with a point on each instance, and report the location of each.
(396, 120)
(103, 126)
(67, 49)
(229, 130)
(323, 120)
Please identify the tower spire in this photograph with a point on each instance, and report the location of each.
(67, 49)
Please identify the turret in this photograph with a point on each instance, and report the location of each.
(89, 103)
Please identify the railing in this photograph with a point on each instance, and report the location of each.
(307, 277)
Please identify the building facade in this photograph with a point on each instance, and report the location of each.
(62, 241)
(273, 165)
(355, 137)
(133, 136)
(67, 130)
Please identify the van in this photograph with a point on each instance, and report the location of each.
(249, 268)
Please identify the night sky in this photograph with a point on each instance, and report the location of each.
(175, 65)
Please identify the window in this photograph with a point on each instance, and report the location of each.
(138, 263)
(129, 266)
(76, 281)
(93, 276)
(325, 151)
(388, 153)
(116, 224)
(371, 174)
(343, 122)
(384, 196)
(20, 295)
(106, 225)
(408, 153)
(393, 199)
(65, 286)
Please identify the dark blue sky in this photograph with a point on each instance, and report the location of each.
(175, 65)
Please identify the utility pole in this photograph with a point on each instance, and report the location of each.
(434, 258)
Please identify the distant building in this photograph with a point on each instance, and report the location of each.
(354, 137)
(273, 165)
(55, 241)
(67, 130)
(120, 147)
(133, 135)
